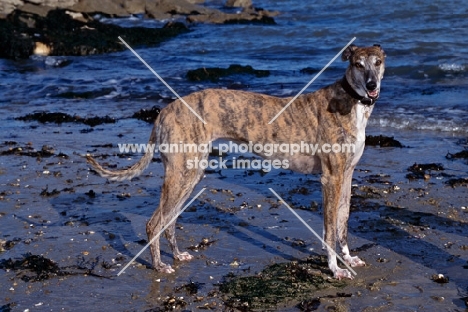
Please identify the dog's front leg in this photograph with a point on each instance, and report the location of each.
(342, 221)
(332, 185)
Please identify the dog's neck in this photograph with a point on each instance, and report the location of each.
(347, 87)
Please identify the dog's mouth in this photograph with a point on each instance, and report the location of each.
(373, 94)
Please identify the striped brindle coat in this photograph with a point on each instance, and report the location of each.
(337, 113)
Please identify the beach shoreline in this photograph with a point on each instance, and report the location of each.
(406, 230)
(65, 233)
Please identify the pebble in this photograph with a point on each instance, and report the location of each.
(440, 278)
(437, 298)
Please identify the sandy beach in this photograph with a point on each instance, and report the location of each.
(66, 233)
(407, 231)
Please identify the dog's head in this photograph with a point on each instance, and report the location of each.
(366, 69)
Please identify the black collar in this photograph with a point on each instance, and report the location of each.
(347, 87)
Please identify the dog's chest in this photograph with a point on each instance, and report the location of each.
(363, 113)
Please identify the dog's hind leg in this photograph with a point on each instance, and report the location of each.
(342, 221)
(179, 183)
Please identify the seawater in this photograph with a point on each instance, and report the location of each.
(424, 88)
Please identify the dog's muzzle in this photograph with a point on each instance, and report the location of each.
(372, 92)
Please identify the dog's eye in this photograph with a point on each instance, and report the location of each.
(378, 62)
(358, 65)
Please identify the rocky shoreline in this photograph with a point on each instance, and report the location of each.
(25, 34)
(70, 28)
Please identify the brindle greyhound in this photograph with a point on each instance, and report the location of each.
(337, 113)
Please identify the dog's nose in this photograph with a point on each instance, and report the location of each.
(371, 85)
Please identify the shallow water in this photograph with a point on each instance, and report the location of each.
(423, 104)
(425, 86)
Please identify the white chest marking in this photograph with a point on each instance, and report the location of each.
(362, 115)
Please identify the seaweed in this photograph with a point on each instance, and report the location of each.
(58, 118)
(278, 283)
(457, 182)
(28, 150)
(43, 268)
(463, 154)
(382, 141)
(148, 115)
(421, 171)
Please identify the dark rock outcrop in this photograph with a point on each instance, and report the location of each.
(213, 74)
(23, 34)
(239, 3)
(157, 9)
(67, 27)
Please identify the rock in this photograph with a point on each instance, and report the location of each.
(135, 6)
(110, 7)
(455, 182)
(239, 3)
(157, 9)
(41, 49)
(8, 6)
(213, 74)
(54, 3)
(40, 7)
(250, 16)
(422, 171)
(40, 10)
(59, 118)
(148, 115)
(59, 34)
(163, 9)
(382, 141)
(440, 278)
(462, 154)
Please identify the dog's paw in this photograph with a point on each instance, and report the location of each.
(354, 261)
(165, 268)
(183, 256)
(342, 273)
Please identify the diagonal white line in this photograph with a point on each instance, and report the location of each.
(160, 232)
(312, 230)
(313, 79)
(162, 80)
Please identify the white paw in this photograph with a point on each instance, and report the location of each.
(342, 273)
(183, 256)
(354, 261)
(165, 268)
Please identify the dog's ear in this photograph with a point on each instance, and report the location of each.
(381, 50)
(348, 52)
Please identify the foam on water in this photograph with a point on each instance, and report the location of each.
(452, 121)
(452, 67)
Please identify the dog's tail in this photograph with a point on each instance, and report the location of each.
(126, 174)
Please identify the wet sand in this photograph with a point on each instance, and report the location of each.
(53, 206)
